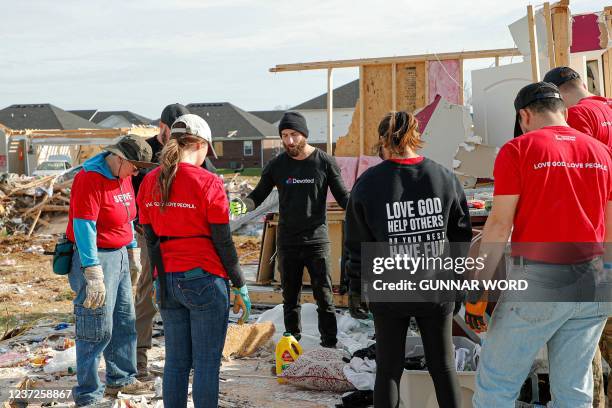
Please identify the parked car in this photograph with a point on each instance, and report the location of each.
(51, 167)
(69, 174)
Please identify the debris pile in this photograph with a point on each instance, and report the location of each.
(26, 202)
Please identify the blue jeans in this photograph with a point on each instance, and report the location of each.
(109, 329)
(195, 315)
(518, 330)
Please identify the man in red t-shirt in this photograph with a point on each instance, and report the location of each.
(553, 187)
(588, 113)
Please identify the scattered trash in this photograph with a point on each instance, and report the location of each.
(157, 386)
(63, 363)
(8, 262)
(37, 249)
(61, 326)
(13, 359)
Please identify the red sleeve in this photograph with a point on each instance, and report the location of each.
(217, 206)
(506, 172)
(578, 119)
(87, 195)
(143, 217)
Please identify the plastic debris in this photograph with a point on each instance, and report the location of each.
(8, 262)
(13, 359)
(61, 326)
(63, 363)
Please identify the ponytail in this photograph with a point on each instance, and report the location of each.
(399, 131)
(168, 162)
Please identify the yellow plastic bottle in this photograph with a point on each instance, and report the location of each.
(288, 350)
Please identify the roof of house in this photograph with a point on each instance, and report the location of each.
(229, 122)
(133, 118)
(345, 96)
(84, 113)
(42, 116)
(270, 116)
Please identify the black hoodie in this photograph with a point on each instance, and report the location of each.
(438, 208)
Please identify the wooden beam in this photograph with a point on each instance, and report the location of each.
(361, 110)
(560, 16)
(501, 52)
(460, 80)
(533, 45)
(394, 87)
(330, 111)
(497, 61)
(550, 41)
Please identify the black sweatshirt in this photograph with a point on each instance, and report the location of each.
(302, 191)
(435, 197)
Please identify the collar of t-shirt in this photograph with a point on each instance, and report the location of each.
(412, 160)
(99, 165)
(596, 98)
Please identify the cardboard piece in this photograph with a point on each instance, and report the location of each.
(244, 340)
(477, 161)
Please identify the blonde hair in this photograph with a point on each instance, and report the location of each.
(399, 131)
(169, 160)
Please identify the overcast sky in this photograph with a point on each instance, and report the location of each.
(140, 55)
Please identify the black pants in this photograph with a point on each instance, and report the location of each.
(316, 260)
(391, 326)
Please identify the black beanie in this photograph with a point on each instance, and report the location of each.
(294, 121)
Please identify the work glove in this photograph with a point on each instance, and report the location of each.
(475, 315)
(357, 308)
(95, 290)
(237, 207)
(134, 261)
(242, 301)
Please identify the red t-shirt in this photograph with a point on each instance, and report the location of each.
(110, 203)
(564, 181)
(197, 199)
(593, 116)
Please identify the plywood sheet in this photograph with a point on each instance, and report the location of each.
(378, 102)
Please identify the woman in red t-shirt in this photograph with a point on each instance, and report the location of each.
(185, 215)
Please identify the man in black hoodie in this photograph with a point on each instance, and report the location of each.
(302, 175)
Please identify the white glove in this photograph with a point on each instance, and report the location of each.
(134, 261)
(95, 290)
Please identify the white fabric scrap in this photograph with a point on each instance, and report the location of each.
(361, 372)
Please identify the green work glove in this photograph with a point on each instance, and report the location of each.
(242, 301)
(237, 207)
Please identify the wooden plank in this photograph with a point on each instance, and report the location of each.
(461, 91)
(607, 72)
(550, 42)
(269, 295)
(394, 87)
(330, 111)
(501, 52)
(62, 208)
(497, 61)
(561, 24)
(361, 109)
(533, 45)
(34, 223)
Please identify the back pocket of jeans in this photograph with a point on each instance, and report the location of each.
(89, 323)
(198, 292)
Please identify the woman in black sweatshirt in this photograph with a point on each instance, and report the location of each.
(430, 206)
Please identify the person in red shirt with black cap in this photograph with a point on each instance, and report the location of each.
(553, 193)
(184, 213)
(588, 113)
(100, 224)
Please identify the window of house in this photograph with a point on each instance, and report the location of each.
(218, 148)
(247, 148)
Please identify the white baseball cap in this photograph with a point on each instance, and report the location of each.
(195, 126)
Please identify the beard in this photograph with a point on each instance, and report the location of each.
(295, 150)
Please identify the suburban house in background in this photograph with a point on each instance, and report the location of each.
(315, 112)
(240, 138)
(114, 119)
(21, 157)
